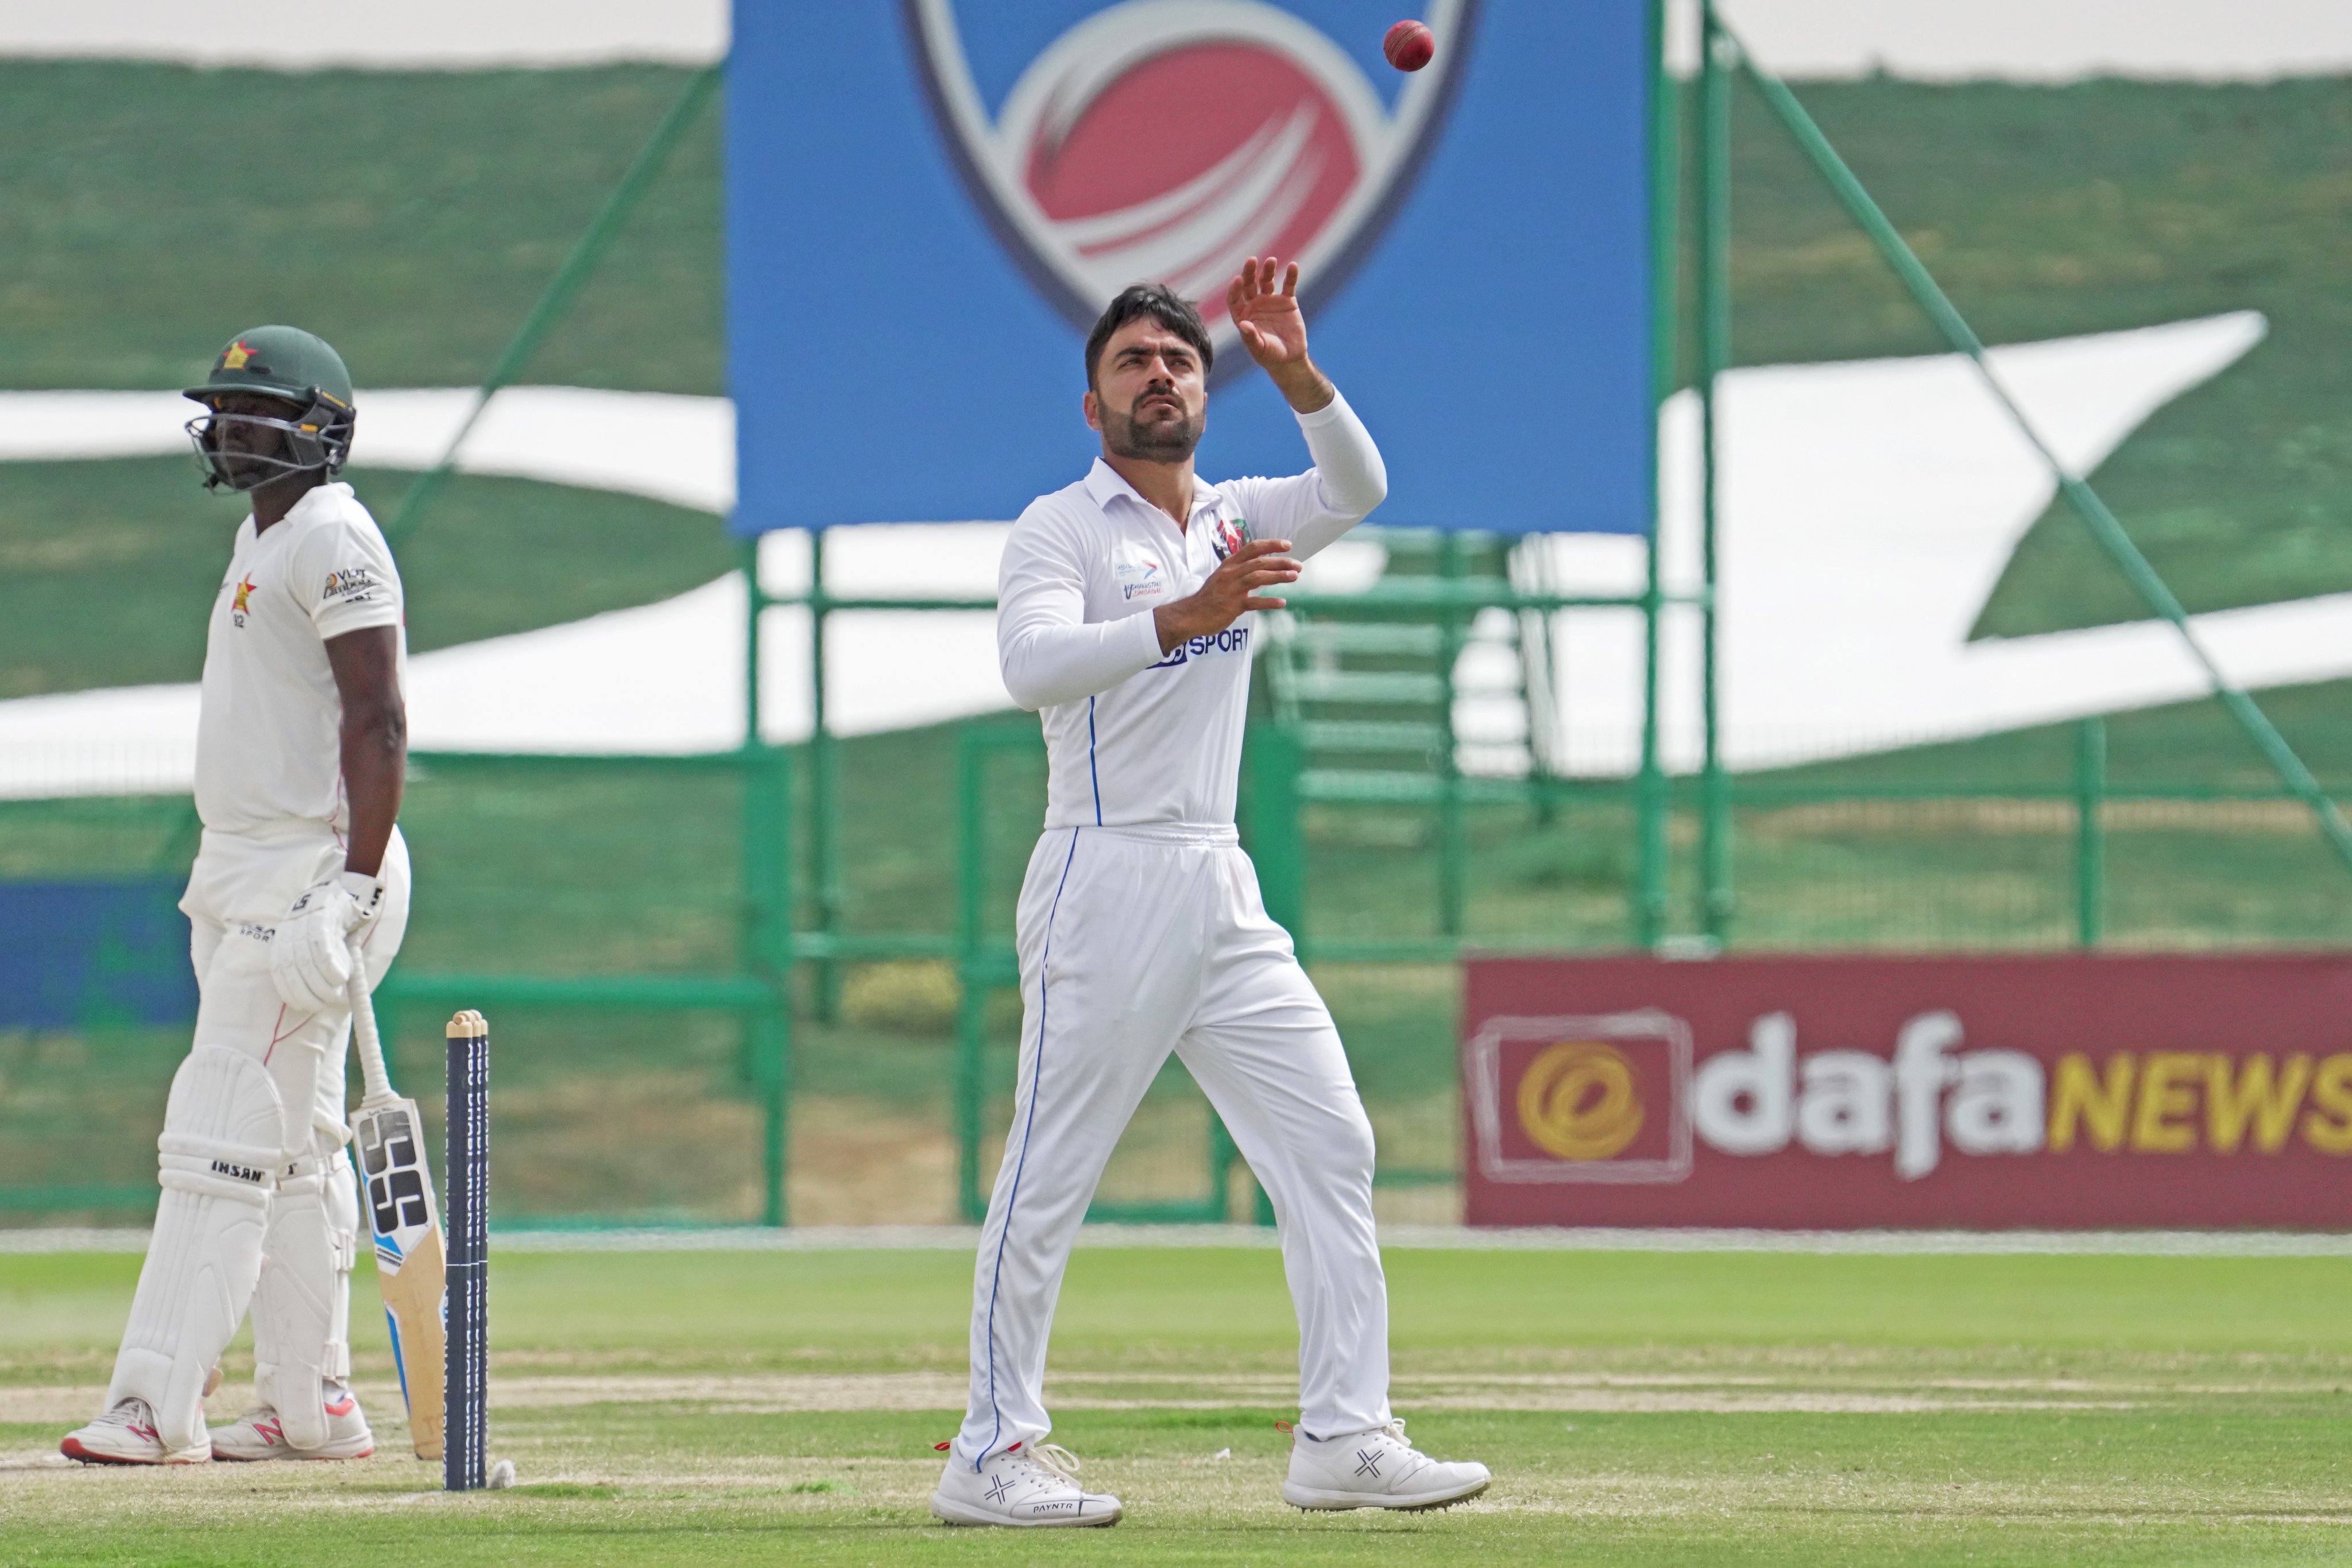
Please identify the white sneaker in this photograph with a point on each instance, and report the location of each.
(126, 1435)
(1032, 1486)
(1378, 1469)
(260, 1434)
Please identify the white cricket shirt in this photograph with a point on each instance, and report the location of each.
(269, 741)
(1134, 735)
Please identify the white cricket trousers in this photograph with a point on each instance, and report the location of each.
(191, 1296)
(1135, 942)
(239, 889)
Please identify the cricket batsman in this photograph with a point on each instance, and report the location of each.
(1126, 617)
(299, 755)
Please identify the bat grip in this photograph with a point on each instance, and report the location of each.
(375, 1082)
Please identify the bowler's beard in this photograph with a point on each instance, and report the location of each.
(1149, 441)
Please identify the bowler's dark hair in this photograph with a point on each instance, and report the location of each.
(1163, 305)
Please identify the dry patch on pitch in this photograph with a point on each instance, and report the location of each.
(1808, 1380)
(777, 1394)
(784, 1394)
(559, 1482)
(1841, 1368)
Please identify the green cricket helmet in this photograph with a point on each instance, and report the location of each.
(297, 369)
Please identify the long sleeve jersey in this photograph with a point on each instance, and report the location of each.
(1133, 734)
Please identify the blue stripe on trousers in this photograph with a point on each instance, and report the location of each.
(1036, 1081)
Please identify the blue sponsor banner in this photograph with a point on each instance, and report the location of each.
(79, 953)
(929, 201)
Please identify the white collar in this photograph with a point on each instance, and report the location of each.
(1105, 483)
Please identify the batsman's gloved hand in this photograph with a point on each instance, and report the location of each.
(310, 956)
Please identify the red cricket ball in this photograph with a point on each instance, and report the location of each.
(1410, 45)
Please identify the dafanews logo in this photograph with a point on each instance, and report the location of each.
(2177, 1101)
(1600, 1099)
(1615, 1099)
(1231, 640)
(1577, 1100)
(1927, 1095)
(2072, 1091)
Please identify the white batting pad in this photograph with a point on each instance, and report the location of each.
(301, 1309)
(219, 1158)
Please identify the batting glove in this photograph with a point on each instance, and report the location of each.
(310, 956)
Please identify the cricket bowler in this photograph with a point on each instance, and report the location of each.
(1127, 614)
(300, 751)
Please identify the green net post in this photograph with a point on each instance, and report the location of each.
(972, 1010)
(767, 840)
(1646, 898)
(1222, 1155)
(766, 910)
(1650, 792)
(1453, 846)
(1714, 239)
(1277, 839)
(2090, 831)
(825, 766)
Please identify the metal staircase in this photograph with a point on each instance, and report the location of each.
(1395, 710)
(1413, 695)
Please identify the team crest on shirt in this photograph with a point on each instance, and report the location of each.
(243, 602)
(1229, 535)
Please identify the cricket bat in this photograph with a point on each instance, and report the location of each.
(398, 1193)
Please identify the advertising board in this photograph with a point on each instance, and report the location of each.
(1977, 1092)
(104, 951)
(930, 201)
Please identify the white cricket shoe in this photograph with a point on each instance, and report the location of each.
(126, 1435)
(1378, 1469)
(259, 1435)
(1033, 1486)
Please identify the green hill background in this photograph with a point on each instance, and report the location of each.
(144, 218)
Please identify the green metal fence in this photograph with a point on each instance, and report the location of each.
(627, 922)
(665, 986)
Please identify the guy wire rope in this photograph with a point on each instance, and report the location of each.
(553, 301)
(766, 808)
(2104, 527)
(565, 287)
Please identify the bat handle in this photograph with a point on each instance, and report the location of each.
(375, 1082)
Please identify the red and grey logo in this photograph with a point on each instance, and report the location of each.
(1167, 141)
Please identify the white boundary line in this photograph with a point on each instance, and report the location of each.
(1407, 1238)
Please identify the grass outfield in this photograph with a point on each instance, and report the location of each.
(1636, 1408)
